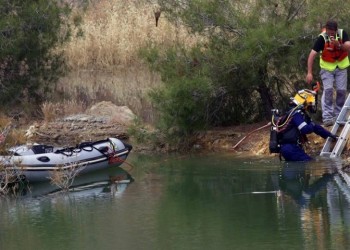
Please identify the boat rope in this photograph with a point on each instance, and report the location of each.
(245, 137)
(84, 146)
(116, 159)
(89, 146)
(112, 158)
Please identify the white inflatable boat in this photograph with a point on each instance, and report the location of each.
(38, 162)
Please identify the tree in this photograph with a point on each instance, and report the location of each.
(29, 32)
(254, 55)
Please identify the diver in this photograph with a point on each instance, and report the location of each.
(290, 129)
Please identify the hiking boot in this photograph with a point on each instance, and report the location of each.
(328, 123)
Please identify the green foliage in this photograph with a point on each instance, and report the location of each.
(184, 101)
(253, 60)
(145, 135)
(29, 65)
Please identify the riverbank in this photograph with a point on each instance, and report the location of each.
(105, 119)
(82, 127)
(250, 139)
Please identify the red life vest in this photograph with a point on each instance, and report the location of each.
(331, 53)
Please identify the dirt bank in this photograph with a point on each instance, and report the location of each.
(240, 138)
(78, 128)
(249, 139)
(253, 139)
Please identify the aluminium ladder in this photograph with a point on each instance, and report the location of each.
(333, 149)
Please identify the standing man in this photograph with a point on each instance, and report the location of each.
(333, 45)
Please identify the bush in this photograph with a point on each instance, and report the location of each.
(29, 64)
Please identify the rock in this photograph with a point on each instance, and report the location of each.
(30, 132)
(101, 121)
(113, 113)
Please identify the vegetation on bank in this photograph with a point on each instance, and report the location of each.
(252, 60)
(200, 64)
(29, 65)
(105, 63)
(205, 64)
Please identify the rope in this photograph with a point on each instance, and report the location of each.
(245, 137)
(118, 159)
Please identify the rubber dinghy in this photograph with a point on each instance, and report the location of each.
(39, 162)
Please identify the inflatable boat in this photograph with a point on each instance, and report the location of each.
(40, 162)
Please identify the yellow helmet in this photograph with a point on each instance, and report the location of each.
(305, 97)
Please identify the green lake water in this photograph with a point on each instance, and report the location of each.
(215, 201)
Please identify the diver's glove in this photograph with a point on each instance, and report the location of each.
(334, 137)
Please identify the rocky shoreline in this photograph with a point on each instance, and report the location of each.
(98, 123)
(77, 128)
(63, 132)
(101, 121)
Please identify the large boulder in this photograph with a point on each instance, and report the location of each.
(119, 114)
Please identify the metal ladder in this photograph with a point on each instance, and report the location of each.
(342, 124)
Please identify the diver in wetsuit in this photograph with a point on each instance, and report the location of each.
(293, 127)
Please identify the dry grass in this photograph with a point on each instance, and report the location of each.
(52, 111)
(114, 31)
(12, 180)
(104, 62)
(64, 177)
(122, 87)
(4, 121)
(11, 135)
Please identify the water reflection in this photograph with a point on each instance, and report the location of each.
(303, 182)
(113, 180)
(188, 202)
(321, 191)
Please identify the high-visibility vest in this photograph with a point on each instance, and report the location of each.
(331, 56)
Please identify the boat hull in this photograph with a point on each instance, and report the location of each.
(85, 158)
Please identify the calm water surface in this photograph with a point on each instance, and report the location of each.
(187, 202)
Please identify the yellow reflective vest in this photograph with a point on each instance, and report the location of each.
(332, 57)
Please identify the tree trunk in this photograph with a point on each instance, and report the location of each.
(265, 94)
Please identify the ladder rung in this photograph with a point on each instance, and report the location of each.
(341, 122)
(331, 149)
(326, 154)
